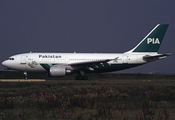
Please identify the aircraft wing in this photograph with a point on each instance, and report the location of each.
(149, 58)
(91, 64)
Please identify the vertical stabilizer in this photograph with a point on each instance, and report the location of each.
(152, 41)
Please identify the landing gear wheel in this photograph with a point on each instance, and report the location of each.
(81, 78)
(77, 78)
(25, 73)
(85, 78)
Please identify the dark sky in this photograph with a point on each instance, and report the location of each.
(103, 26)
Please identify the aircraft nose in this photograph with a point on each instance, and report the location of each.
(4, 63)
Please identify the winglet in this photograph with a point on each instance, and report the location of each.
(152, 41)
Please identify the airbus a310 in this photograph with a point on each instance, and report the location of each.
(61, 64)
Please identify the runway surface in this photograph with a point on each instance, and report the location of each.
(22, 80)
(43, 80)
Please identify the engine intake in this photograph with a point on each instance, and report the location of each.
(58, 71)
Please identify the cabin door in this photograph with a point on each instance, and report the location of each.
(23, 59)
(125, 59)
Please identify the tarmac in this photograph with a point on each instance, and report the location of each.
(22, 80)
(43, 80)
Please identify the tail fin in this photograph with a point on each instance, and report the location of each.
(152, 41)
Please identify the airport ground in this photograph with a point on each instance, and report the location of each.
(138, 98)
(92, 76)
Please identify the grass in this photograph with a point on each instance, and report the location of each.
(123, 100)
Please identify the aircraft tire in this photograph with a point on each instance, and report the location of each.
(85, 78)
(77, 78)
(81, 78)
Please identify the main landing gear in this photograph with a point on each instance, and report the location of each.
(81, 76)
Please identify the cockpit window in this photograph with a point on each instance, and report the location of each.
(11, 58)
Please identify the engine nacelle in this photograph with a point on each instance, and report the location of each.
(58, 71)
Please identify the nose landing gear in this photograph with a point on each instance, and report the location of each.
(25, 73)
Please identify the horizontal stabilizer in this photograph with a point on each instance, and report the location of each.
(149, 58)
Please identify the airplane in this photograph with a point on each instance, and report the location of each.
(62, 64)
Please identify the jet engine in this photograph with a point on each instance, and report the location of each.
(58, 71)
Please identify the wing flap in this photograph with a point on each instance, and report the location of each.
(90, 62)
(90, 65)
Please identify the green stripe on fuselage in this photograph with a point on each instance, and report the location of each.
(45, 66)
(112, 68)
(100, 68)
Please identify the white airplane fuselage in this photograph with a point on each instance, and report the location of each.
(32, 62)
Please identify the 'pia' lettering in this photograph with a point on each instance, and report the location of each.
(153, 41)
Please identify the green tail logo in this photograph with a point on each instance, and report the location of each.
(152, 42)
